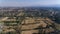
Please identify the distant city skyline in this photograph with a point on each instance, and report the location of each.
(27, 3)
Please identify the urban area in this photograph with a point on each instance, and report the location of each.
(29, 20)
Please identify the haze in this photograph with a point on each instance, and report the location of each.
(24, 3)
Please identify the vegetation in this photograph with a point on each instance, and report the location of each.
(20, 15)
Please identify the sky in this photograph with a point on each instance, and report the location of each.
(25, 3)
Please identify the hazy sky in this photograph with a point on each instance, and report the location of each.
(23, 3)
